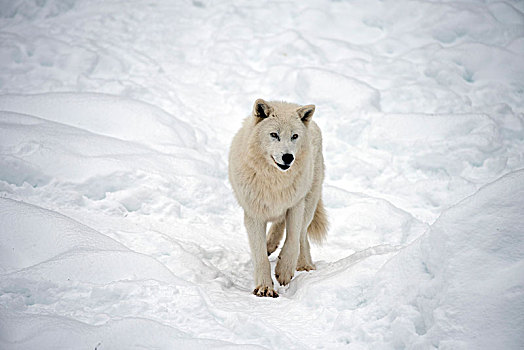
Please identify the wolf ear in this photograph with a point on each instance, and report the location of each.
(262, 109)
(305, 113)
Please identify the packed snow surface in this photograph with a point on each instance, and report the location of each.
(119, 229)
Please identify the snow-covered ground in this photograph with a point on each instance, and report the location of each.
(118, 227)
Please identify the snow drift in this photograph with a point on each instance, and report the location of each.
(458, 286)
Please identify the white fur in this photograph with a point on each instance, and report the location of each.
(270, 192)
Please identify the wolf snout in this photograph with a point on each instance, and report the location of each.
(287, 158)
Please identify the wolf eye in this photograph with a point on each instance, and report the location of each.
(274, 135)
(294, 137)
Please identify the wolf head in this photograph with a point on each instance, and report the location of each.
(281, 130)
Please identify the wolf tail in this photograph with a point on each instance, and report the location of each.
(317, 230)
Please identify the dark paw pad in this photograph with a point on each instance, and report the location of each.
(265, 292)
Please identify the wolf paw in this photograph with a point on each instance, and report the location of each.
(284, 273)
(266, 291)
(306, 267)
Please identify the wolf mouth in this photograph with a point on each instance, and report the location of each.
(284, 167)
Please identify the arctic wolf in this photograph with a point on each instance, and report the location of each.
(276, 169)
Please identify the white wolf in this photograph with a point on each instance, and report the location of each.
(276, 169)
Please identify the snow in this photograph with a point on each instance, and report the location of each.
(119, 228)
(458, 282)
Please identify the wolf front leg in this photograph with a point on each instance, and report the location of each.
(256, 232)
(287, 262)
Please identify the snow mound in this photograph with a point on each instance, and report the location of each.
(47, 246)
(50, 262)
(59, 143)
(459, 286)
(33, 332)
(473, 270)
(31, 235)
(106, 115)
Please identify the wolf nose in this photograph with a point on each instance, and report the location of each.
(287, 158)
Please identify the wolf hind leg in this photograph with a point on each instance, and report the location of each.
(275, 234)
(304, 262)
